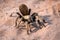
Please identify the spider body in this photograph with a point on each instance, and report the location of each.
(26, 18)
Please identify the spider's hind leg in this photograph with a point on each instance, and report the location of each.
(41, 24)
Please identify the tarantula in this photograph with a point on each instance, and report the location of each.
(27, 18)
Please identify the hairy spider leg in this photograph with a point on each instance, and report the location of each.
(41, 22)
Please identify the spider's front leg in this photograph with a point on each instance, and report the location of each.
(27, 27)
(18, 19)
(17, 22)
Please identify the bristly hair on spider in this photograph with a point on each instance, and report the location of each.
(27, 18)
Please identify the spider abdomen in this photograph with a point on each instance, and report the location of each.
(24, 9)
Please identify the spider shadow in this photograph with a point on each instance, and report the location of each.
(47, 18)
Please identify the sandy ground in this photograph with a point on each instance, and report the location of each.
(48, 9)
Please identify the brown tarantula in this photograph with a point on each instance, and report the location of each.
(27, 18)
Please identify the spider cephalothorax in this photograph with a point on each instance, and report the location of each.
(27, 18)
